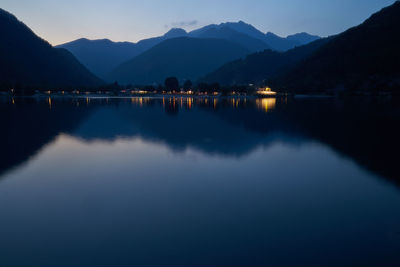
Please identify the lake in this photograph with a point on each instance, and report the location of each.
(171, 181)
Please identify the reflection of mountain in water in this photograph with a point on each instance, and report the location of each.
(365, 132)
(204, 124)
(29, 124)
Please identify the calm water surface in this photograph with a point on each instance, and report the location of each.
(199, 182)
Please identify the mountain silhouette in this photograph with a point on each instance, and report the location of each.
(102, 56)
(112, 53)
(185, 58)
(28, 61)
(227, 33)
(175, 33)
(302, 38)
(279, 43)
(244, 28)
(366, 57)
(272, 40)
(258, 67)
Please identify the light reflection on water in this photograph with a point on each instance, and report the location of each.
(197, 182)
(266, 104)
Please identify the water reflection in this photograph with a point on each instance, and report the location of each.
(266, 104)
(365, 132)
(198, 182)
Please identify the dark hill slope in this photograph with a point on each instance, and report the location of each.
(102, 56)
(366, 57)
(225, 32)
(258, 67)
(28, 61)
(185, 58)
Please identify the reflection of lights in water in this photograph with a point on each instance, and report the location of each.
(215, 103)
(142, 100)
(13, 101)
(266, 104)
(190, 102)
(49, 102)
(87, 101)
(236, 102)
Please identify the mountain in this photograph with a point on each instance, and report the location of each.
(279, 43)
(184, 57)
(175, 33)
(272, 41)
(227, 33)
(366, 57)
(245, 28)
(28, 61)
(102, 56)
(302, 38)
(258, 67)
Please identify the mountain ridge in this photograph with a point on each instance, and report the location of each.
(28, 61)
(184, 57)
(365, 57)
(259, 67)
(102, 58)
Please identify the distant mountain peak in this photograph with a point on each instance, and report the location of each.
(245, 28)
(240, 22)
(299, 34)
(82, 40)
(85, 41)
(303, 38)
(175, 32)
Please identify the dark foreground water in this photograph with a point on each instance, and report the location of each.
(199, 182)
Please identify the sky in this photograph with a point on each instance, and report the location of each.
(60, 21)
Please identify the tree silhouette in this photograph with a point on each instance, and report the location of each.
(187, 85)
(172, 84)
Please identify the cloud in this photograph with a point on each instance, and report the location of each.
(189, 23)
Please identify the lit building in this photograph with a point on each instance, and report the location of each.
(266, 91)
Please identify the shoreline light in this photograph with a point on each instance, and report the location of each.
(266, 91)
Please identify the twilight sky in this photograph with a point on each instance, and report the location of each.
(60, 21)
